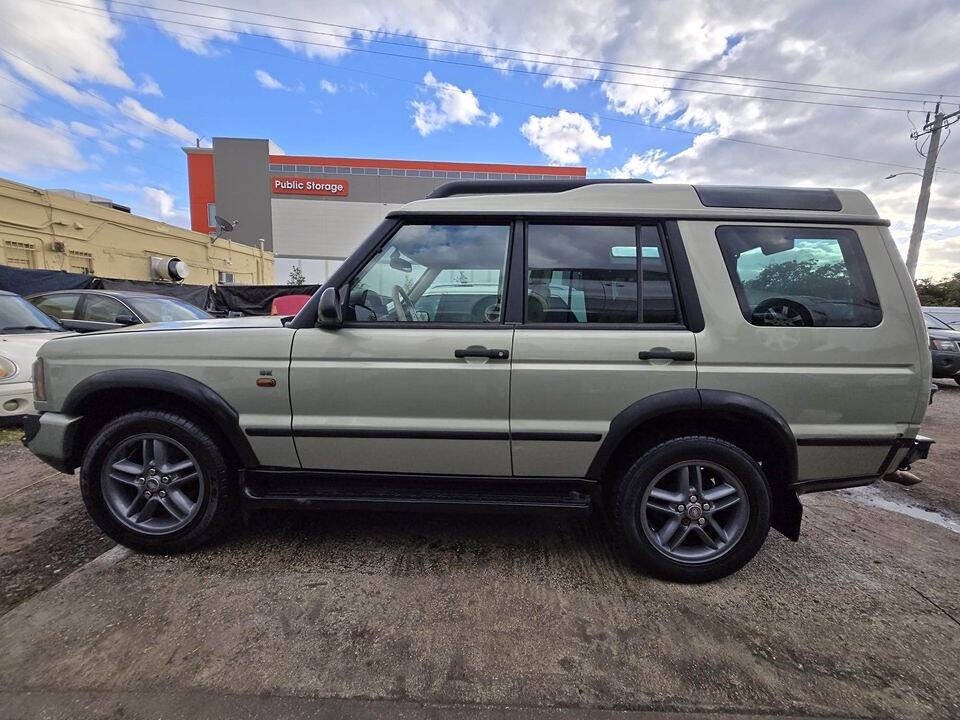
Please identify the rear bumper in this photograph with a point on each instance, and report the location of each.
(917, 448)
(50, 437)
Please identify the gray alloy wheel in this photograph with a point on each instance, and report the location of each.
(152, 484)
(782, 313)
(694, 511)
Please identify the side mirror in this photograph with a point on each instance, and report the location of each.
(126, 320)
(329, 311)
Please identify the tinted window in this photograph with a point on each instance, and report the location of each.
(591, 274)
(99, 308)
(800, 276)
(935, 323)
(166, 310)
(434, 273)
(62, 307)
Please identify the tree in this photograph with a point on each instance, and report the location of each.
(804, 277)
(945, 293)
(296, 276)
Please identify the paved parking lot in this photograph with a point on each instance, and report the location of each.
(372, 615)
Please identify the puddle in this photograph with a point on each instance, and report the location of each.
(874, 496)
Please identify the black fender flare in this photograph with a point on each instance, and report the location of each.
(787, 512)
(224, 416)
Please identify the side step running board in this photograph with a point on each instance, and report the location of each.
(335, 489)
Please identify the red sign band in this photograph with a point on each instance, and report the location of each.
(284, 185)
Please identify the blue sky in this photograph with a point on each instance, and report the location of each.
(93, 101)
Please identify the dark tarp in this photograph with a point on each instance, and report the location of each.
(198, 295)
(255, 299)
(29, 282)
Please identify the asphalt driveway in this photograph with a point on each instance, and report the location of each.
(372, 615)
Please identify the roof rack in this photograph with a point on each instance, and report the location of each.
(502, 187)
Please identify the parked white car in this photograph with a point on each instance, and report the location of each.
(23, 330)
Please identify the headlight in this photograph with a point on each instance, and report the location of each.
(944, 345)
(39, 380)
(8, 368)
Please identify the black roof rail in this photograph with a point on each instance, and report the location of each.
(502, 187)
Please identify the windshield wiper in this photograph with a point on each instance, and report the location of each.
(28, 327)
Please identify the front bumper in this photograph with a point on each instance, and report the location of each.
(945, 364)
(16, 400)
(50, 437)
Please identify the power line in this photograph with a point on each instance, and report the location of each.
(142, 121)
(486, 55)
(150, 25)
(489, 67)
(374, 31)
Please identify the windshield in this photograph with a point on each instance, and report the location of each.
(17, 315)
(161, 309)
(936, 323)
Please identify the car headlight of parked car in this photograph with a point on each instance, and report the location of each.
(8, 368)
(944, 345)
(39, 380)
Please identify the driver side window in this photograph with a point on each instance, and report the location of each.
(434, 274)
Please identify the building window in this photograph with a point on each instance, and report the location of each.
(211, 215)
(226, 278)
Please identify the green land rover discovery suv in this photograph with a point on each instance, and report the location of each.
(689, 359)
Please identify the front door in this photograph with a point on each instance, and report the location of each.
(602, 329)
(418, 378)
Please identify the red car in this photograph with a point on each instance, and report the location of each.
(288, 304)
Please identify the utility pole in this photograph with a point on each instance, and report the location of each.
(933, 128)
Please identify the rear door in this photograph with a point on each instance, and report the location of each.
(602, 329)
(62, 306)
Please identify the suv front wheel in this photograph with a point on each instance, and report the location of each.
(157, 482)
(693, 509)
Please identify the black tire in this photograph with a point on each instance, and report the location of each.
(214, 510)
(633, 486)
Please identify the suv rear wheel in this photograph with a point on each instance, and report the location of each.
(693, 509)
(157, 482)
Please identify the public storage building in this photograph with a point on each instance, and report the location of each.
(313, 211)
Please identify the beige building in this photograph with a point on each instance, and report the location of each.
(57, 230)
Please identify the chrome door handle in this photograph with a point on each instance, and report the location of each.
(481, 351)
(684, 355)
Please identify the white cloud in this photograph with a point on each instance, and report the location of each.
(268, 81)
(147, 121)
(564, 137)
(160, 204)
(648, 165)
(83, 129)
(108, 146)
(450, 106)
(62, 51)
(32, 149)
(149, 86)
(135, 143)
(329, 87)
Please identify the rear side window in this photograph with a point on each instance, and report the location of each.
(611, 274)
(800, 276)
(62, 307)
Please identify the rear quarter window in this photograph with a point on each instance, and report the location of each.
(800, 277)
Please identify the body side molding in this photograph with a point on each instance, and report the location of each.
(223, 414)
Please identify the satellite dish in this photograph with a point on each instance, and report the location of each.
(223, 226)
